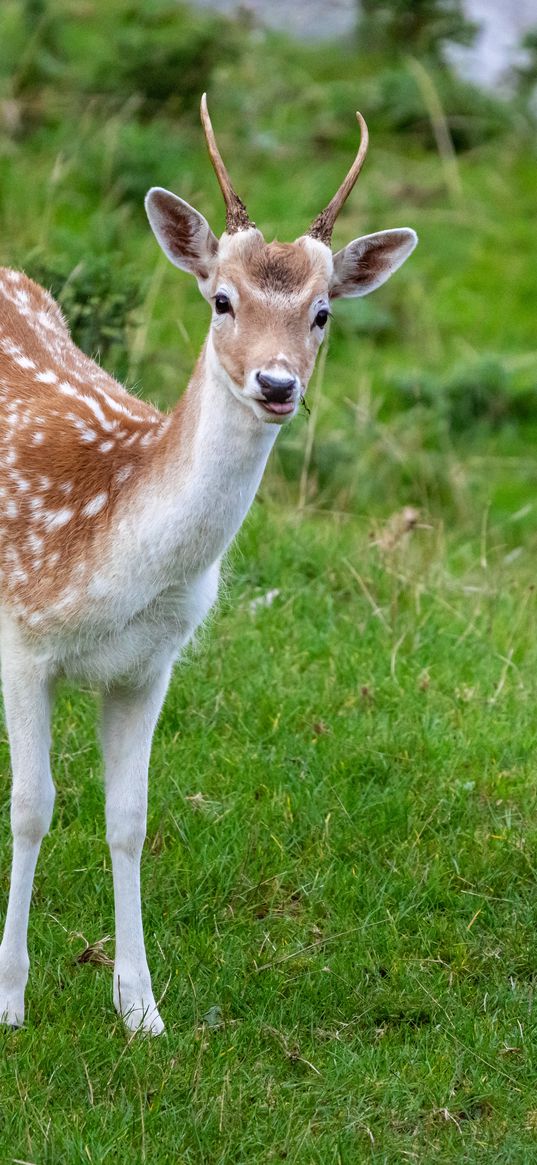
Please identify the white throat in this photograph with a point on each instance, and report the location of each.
(198, 496)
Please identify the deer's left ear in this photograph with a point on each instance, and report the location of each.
(368, 262)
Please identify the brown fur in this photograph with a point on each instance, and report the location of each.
(46, 466)
(276, 284)
(281, 267)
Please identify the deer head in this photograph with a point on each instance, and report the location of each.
(270, 301)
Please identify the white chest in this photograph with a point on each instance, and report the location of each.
(116, 644)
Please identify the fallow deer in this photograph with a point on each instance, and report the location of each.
(114, 517)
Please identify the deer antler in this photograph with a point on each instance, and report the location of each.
(322, 227)
(236, 213)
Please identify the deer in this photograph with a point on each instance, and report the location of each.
(115, 516)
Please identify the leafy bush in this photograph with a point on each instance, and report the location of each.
(473, 117)
(31, 63)
(165, 54)
(423, 27)
(482, 391)
(154, 54)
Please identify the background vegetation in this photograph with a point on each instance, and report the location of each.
(340, 882)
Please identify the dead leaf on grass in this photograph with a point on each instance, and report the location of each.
(399, 525)
(95, 952)
(201, 804)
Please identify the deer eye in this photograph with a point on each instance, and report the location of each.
(222, 304)
(321, 318)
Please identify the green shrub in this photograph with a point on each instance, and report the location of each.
(32, 64)
(423, 27)
(484, 391)
(165, 54)
(395, 101)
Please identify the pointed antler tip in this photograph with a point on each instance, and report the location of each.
(236, 213)
(323, 225)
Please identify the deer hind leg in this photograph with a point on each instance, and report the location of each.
(129, 719)
(27, 711)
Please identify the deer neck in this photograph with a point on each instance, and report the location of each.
(227, 447)
(203, 478)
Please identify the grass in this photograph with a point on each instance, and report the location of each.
(339, 877)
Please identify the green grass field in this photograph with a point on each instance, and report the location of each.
(340, 877)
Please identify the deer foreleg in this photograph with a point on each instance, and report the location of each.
(129, 719)
(27, 711)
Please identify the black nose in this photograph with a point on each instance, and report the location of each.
(276, 388)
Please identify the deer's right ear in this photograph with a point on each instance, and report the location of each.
(183, 233)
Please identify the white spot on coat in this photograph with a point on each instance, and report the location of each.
(97, 503)
(48, 377)
(35, 542)
(53, 519)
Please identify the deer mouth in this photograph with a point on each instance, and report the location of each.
(278, 408)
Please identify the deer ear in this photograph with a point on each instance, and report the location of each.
(368, 262)
(183, 233)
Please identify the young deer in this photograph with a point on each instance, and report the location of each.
(114, 517)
